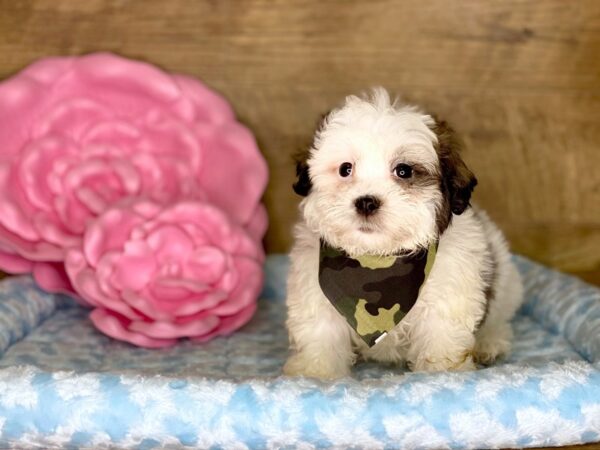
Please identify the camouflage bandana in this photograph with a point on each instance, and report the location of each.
(373, 293)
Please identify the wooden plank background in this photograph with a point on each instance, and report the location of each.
(519, 79)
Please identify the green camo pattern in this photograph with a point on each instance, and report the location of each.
(373, 293)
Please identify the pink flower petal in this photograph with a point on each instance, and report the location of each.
(176, 289)
(164, 135)
(208, 105)
(70, 212)
(12, 217)
(228, 324)
(168, 330)
(165, 309)
(205, 264)
(232, 148)
(111, 132)
(194, 304)
(20, 99)
(117, 328)
(53, 232)
(170, 242)
(251, 281)
(36, 166)
(11, 263)
(97, 183)
(258, 223)
(85, 283)
(203, 221)
(33, 251)
(70, 118)
(229, 280)
(143, 302)
(109, 232)
(135, 77)
(104, 273)
(48, 70)
(52, 277)
(135, 268)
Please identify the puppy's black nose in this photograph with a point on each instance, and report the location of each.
(367, 205)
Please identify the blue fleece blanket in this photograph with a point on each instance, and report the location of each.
(62, 384)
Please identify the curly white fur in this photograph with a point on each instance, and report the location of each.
(464, 309)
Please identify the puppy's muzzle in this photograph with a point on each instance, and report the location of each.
(367, 205)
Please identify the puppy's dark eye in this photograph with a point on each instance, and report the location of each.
(403, 171)
(345, 169)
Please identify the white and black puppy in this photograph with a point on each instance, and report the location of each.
(384, 179)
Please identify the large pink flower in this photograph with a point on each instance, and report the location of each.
(78, 135)
(154, 275)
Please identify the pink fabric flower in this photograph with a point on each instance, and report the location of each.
(154, 275)
(80, 134)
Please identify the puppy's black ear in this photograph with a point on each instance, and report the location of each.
(303, 184)
(458, 181)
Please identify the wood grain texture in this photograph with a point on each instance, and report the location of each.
(574, 447)
(520, 80)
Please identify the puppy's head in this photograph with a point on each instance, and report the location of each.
(381, 177)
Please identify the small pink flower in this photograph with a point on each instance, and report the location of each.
(78, 135)
(154, 275)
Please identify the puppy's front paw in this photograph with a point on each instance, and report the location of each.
(298, 365)
(461, 363)
(492, 343)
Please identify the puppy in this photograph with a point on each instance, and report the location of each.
(386, 190)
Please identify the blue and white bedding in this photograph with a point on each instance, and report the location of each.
(62, 384)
